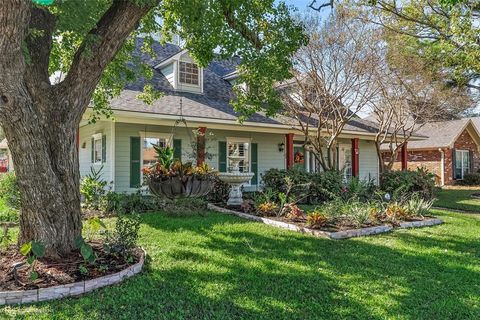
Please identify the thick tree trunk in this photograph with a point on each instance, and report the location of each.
(46, 164)
(40, 119)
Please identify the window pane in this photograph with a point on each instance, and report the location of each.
(458, 159)
(188, 73)
(98, 150)
(149, 155)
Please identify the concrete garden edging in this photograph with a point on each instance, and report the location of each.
(338, 235)
(70, 289)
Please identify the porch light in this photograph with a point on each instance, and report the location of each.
(281, 147)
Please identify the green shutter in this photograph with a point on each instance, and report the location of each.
(93, 150)
(135, 162)
(222, 156)
(255, 163)
(177, 149)
(104, 148)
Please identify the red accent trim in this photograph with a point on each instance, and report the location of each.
(201, 145)
(355, 157)
(289, 150)
(404, 156)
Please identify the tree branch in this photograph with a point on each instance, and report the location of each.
(242, 28)
(98, 49)
(321, 5)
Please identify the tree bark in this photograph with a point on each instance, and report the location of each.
(40, 120)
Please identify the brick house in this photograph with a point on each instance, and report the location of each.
(450, 151)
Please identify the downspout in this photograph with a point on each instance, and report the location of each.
(442, 167)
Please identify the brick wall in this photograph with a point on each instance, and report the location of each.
(430, 159)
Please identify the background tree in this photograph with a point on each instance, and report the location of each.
(90, 43)
(444, 33)
(333, 82)
(410, 96)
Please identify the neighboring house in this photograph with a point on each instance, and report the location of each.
(450, 151)
(6, 163)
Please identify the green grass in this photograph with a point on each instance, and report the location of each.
(459, 199)
(221, 267)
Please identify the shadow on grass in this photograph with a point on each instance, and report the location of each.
(222, 267)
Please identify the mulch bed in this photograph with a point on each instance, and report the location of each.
(340, 225)
(57, 272)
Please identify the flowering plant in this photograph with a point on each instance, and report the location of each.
(167, 166)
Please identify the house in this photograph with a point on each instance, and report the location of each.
(450, 150)
(195, 118)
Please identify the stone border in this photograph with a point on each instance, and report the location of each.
(339, 235)
(69, 289)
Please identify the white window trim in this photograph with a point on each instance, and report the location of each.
(242, 140)
(156, 135)
(463, 152)
(96, 137)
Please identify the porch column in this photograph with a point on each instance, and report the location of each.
(289, 150)
(404, 156)
(201, 145)
(355, 157)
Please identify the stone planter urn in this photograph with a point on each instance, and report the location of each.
(235, 179)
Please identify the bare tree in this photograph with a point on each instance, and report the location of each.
(333, 82)
(410, 96)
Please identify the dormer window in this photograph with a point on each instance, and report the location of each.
(188, 73)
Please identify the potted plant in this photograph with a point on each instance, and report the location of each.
(170, 178)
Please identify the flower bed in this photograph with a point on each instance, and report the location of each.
(337, 235)
(69, 289)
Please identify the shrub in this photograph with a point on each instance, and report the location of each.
(417, 206)
(267, 209)
(316, 220)
(402, 184)
(123, 239)
(219, 193)
(9, 191)
(92, 187)
(312, 187)
(294, 213)
(124, 203)
(470, 179)
(357, 213)
(396, 211)
(325, 186)
(362, 190)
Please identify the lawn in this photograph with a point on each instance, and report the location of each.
(221, 267)
(459, 199)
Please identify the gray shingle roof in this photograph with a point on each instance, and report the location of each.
(441, 134)
(212, 103)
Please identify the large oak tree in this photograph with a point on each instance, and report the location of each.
(87, 44)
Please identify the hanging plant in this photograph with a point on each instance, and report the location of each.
(170, 178)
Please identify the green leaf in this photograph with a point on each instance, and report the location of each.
(33, 275)
(30, 260)
(38, 249)
(78, 242)
(26, 248)
(86, 251)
